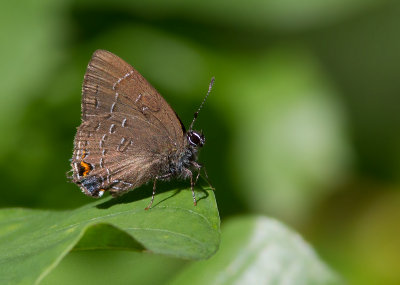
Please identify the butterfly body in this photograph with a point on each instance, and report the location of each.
(129, 135)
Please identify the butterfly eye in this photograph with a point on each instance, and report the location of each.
(196, 139)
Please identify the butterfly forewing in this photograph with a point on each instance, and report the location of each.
(112, 85)
(127, 131)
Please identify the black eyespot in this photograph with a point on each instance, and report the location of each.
(195, 139)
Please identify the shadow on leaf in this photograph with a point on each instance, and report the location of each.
(145, 192)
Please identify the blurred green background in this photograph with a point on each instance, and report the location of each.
(302, 123)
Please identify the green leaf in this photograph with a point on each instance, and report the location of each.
(258, 250)
(107, 267)
(32, 242)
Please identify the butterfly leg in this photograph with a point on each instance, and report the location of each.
(154, 188)
(154, 193)
(208, 181)
(199, 167)
(197, 177)
(192, 187)
(192, 183)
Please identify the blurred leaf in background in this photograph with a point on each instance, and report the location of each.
(290, 130)
(301, 124)
(257, 250)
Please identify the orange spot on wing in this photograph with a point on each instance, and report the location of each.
(86, 168)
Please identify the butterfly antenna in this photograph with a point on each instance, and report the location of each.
(202, 103)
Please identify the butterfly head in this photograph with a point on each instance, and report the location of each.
(195, 139)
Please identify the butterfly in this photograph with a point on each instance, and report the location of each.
(129, 134)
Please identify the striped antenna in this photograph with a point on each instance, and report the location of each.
(202, 103)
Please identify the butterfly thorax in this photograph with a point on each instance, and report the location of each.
(184, 160)
(181, 162)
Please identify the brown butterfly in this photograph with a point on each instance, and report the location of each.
(129, 135)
